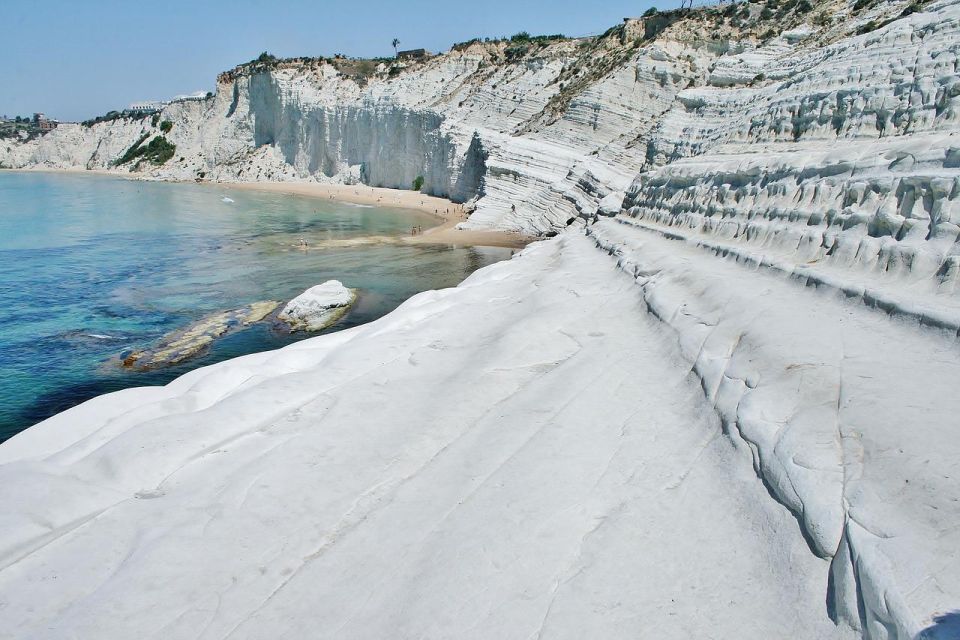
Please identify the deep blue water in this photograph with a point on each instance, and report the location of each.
(91, 266)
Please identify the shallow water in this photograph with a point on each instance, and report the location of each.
(91, 266)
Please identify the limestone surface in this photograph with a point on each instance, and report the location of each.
(720, 403)
(318, 307)
(183, 344)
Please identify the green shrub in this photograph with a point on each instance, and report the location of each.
(515, 53)
(460, 46)
(823, 20)
(165, 126)
(157, 151)
(914, 7)
(523, 36)
(418, 183)
(649, 13)
(131, 153)
(110, 116)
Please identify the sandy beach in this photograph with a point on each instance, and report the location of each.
(448, 213)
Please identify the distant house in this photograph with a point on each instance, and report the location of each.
(193, 97)
(43, 123)
(146, 107)
(412, 54)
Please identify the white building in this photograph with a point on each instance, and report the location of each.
(199, 95)
(147, 106)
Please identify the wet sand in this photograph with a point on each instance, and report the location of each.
(449, 214)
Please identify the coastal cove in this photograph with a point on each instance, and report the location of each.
(92, 266)
(716, 398)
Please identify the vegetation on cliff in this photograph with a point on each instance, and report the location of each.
(111, 116)
(157, 151)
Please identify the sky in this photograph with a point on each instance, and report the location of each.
(75, 59)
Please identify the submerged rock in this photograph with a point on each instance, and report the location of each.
(318, 307)
(179, 345)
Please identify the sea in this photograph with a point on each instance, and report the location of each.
(94, 266)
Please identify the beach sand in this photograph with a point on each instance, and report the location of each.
(448, 213)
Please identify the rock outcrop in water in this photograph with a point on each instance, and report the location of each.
(183, 344)
(318, 307)
(726, 407)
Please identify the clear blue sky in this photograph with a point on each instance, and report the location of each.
(74, 59)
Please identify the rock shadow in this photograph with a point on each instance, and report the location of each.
(944, 627)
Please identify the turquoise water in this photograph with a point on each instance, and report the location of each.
(91, 266)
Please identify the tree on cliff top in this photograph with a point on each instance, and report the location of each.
(395, 43)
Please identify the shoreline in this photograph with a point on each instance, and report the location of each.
(447, 212)
(107, 375)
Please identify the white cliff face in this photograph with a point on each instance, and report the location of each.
(545, 136)
(844, 167)
(542, 137)
(728, 410)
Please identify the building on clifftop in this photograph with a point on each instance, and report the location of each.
(412, 54)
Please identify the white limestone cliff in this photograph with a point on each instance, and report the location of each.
(721, 404)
